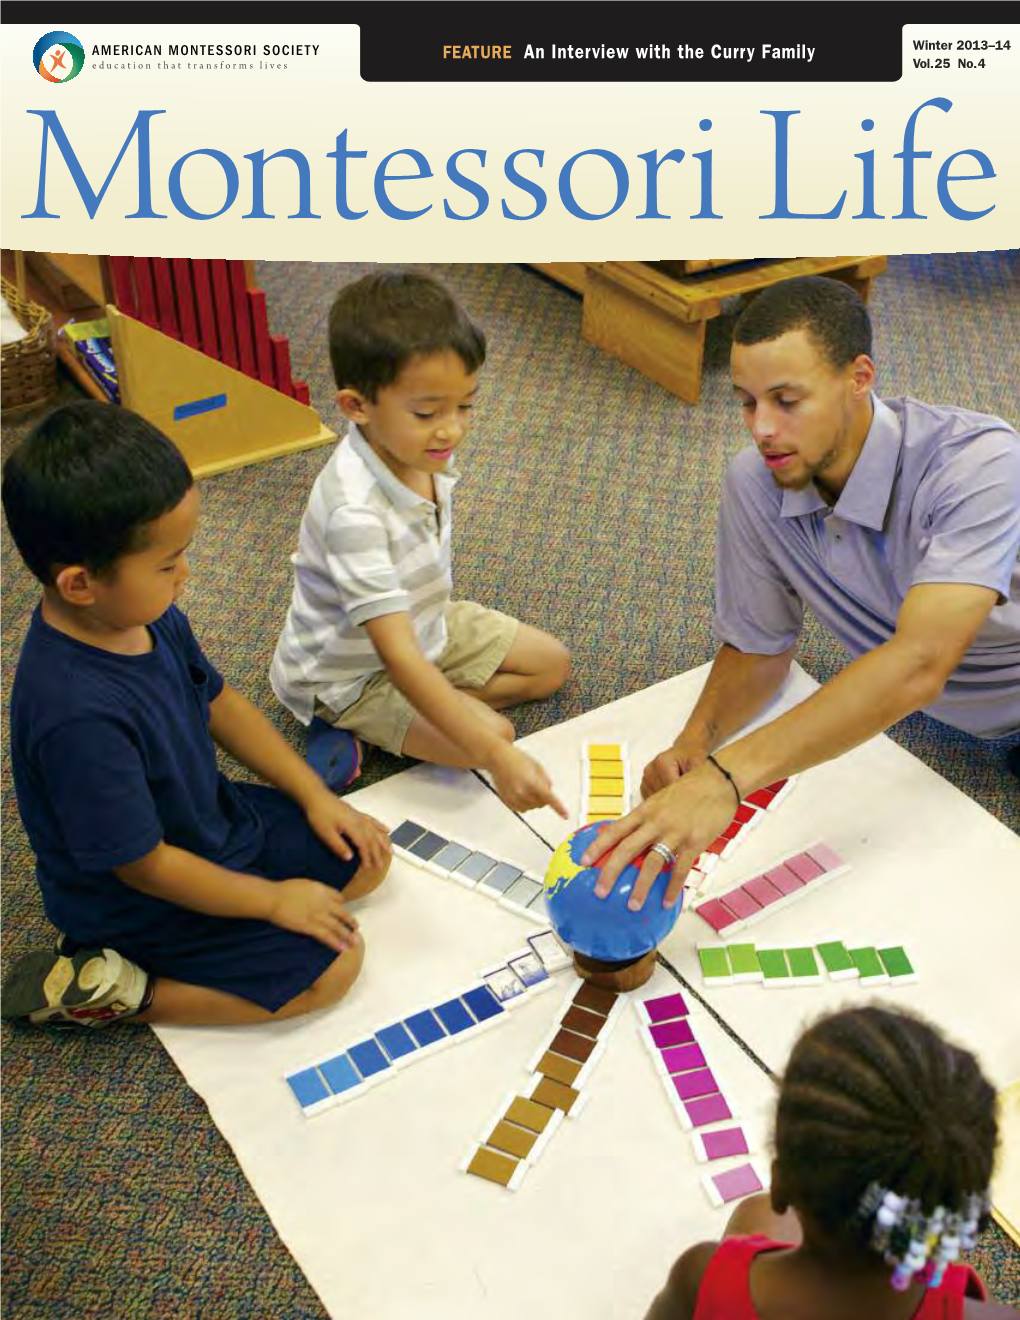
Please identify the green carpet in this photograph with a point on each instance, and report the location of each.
(587, 508)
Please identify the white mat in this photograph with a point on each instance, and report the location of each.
(368, 1197)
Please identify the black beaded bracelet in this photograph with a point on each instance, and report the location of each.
(726, 775)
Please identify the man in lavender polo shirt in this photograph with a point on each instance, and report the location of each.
(896, 522)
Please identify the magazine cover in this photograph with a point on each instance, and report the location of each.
(319, 781)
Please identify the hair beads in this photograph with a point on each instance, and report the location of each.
(917, 1243)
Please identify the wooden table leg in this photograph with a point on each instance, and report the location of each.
(644, 336)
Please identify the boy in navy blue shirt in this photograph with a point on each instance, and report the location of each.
(182, 897)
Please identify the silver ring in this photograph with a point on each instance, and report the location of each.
(665, 852)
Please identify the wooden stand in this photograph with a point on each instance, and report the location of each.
(218, 417)
(620, 977)
(653, 316)
(241, 410)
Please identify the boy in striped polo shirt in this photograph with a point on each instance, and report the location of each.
(373, 647)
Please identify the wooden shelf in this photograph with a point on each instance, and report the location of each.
(653, 314)
(74, 281)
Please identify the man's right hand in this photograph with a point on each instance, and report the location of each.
(668, 766)
(522, 783)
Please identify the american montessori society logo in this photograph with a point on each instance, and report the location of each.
(58, 57)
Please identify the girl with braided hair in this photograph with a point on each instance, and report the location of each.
(884, 1141)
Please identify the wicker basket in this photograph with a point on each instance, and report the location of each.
(29, 370)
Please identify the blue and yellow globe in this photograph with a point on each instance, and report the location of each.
(604, 928)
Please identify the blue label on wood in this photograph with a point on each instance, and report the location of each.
(197, 406)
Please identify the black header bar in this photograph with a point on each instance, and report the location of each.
(557, 41)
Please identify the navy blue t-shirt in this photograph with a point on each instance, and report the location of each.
(111, 756)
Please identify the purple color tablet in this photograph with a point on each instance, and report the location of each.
(665, 1008)
(728, 1141)
(690, 1085)
(708, 1109)
(666, 1034)
(735, 1183)
(683, 1058)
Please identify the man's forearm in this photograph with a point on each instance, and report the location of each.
(868, 696)
(189, 881)
(739, 686)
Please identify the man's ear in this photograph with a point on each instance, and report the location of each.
(352, 404)
(75, 585)
(864, 373)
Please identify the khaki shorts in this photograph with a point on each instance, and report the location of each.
(478, 640)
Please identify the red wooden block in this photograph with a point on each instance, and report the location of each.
(145, 291)
(184, 290)
(202, 283)
(744, 815)
(281, 363)
(761, 799)
(717, 845)
(777, 786)
(122, 278)
(224, 310)
(166, 307)
(260, 329)
(242, 319)
(302, 393)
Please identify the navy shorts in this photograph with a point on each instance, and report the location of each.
(252, 959)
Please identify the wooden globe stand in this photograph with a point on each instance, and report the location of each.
(619, 976)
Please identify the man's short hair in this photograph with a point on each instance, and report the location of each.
(82, 486)
(380, 322)
(831, 312)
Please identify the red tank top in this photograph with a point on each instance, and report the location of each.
(725, 1292)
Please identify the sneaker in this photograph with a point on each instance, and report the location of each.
(334, 754)
(91, 987)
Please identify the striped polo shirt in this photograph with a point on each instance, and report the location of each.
(368, 546)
